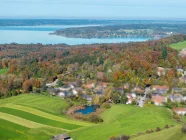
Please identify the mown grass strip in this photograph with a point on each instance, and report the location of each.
(9, 130)
(45, 115)
(38, 119)
(52, 105)
(20, 121)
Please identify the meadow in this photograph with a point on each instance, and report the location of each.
(3, 71)
(179, 46)
(128, 120)
(30, 116)
(173, 133)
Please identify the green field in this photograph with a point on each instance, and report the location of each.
(123, 119)
(3, 71)
(173, 133)
(179, 46)
(30, 116)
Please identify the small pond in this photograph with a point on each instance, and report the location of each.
(88, 109)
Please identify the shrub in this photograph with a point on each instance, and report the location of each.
(166, 126)
(95, 119)
(158, 129)
(176, 116)
(183, 129)
(139, 133)
(133, 102)
(149, 131)
(106, 105)
(123, 137)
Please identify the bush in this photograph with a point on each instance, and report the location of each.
(123, 137)
(106, 105)
(183, 129)
(158, 129)
(133, 102)
(166, 126)
(149, 131)
(176, 116)
(95, 119)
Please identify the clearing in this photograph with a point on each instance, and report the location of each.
(179, 46)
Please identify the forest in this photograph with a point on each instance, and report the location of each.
(31, 66)
(140, 30)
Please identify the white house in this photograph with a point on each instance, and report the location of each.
(180, 111)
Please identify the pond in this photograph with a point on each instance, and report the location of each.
(88, 109)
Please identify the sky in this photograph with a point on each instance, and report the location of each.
(94, 9)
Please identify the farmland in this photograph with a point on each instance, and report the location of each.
(30, 116)
(179, 46)
(34, 117)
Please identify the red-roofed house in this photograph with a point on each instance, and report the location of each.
(160, 89)
(89, 86)
(159, 100)
(180, 111)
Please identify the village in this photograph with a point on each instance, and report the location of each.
(90, 91)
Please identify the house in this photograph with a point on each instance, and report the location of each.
(182, 79)
(52, 91)
(64, 94)
(131, 97)
(176, 97)
(138, 90)
(159, 100)
(103, 84)
(62, 137)
(100, 75)
(89, 86)
(75, 92)
(160, 90)
(87, 98)
(180, 71)
(161, 71)
(126, 86)
(180, 111)
(177, 90)
(183, 53)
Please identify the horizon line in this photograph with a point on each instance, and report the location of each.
(92, 18)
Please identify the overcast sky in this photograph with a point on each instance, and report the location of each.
(113, 9)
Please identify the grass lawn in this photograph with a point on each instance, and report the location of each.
(39, 117)
(173, 133)
(3, 71)
(52, 105)
(179, 46)
(124, 119)
(9, 130)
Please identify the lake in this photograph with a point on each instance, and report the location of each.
(40, 34)
(87, 109)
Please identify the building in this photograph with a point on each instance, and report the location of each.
(176, 97)
(62, 137)
(180, 111)
(159, 90)
(159, 100)
(161, 71)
